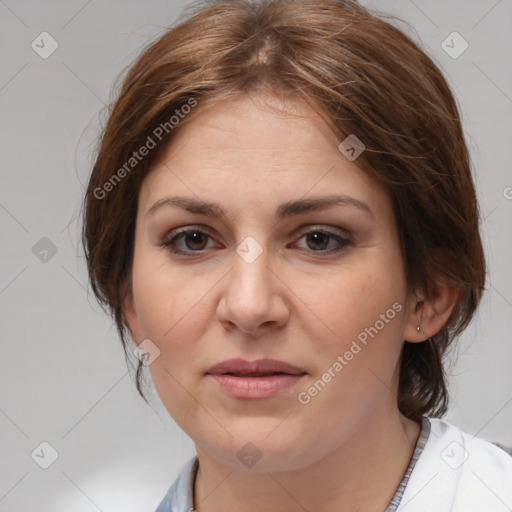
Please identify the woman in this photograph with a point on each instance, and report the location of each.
(282, 217)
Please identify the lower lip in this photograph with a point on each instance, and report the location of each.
(256, 387)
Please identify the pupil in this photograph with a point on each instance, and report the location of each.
(317, 238)
(194, 238)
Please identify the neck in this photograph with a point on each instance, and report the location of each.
(361, 474)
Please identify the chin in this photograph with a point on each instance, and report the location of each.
(262, 453)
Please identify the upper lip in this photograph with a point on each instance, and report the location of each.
(259, 367)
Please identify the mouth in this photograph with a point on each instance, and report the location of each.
(255, 374)
(263, 378)
(258, 368)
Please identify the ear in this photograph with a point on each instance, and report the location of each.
(130, 314)
(430, 310)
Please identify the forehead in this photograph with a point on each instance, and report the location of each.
(260, 149)
(262, 122)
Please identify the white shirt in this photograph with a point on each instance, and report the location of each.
(457, 472)
(450, 471)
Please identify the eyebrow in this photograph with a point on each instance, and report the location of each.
(285, 210)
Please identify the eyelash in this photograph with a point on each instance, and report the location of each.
(170, 243)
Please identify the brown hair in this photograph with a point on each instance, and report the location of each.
(367, 78)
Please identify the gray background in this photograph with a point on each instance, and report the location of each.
(63, 375)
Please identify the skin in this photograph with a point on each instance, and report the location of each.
(295, 303)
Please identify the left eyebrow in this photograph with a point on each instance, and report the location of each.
(285, 210)
(297, 207)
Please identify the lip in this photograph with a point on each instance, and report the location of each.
(260, 366)
(262, 378)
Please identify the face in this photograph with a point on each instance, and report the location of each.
(274, 278)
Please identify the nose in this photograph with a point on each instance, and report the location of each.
(254, 297)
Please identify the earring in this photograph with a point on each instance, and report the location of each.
(418, 328)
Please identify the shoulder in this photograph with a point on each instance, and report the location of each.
(458, 472)
(471, 453)
(179, 497)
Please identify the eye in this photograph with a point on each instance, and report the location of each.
(318, 240)
(192, 238)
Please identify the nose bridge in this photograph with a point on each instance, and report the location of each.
(251, 277)
(251, 297)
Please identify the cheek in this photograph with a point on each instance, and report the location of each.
(360, 303)
(166, 298)
(171, 312)
(170, 305)
(360, 320)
